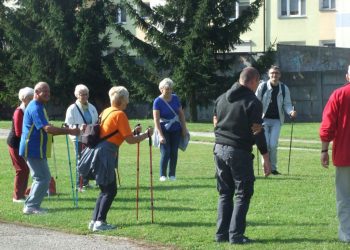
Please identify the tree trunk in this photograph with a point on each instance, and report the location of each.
(193, 107)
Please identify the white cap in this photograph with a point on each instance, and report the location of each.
(349, 70)
(25, 92)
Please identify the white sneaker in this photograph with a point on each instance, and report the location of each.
(91, 225)
(172, 178)
(32, 210)
(102, 226)
(162, 178)
(18, 201)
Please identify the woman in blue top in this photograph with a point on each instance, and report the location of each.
(170, 123)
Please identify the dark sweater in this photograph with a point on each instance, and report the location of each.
(236, 111)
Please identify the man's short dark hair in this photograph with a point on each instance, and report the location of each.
(248, 74)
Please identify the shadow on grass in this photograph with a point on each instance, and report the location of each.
(174, 224)
(294, 240)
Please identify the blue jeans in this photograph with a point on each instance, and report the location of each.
(235, 184)
(272, 129)
(40, 173)
(169, 152)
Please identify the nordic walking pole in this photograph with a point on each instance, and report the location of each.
(55, 165)
(257, 159)
(137, 175)
(150, 171)
(77, 179)
(290, 143)
(70, 168)
(118, 177)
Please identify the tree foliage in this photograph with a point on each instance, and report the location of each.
(187, 40)
(57, 41)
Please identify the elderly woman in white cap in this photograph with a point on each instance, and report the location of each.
(81, 113)
(25, 95)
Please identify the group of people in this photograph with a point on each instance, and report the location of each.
(31, 138)
(251, 113)
(248, 113)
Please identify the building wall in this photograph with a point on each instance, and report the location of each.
(343, 24)
(310, 29)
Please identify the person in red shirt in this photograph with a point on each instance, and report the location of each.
(25, 95)
(335, 127)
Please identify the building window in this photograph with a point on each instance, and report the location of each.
(121, 15)
(327, 4)
(293, 8)
(240, 7)
(327, 43)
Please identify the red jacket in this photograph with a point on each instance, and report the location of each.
(335, 125)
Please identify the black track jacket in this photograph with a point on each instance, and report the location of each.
(236, 111)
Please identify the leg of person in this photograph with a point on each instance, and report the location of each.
(225, 187)
(164, 157)
(40, 173)
(342, 182)
(174, 149)
(243, 175)
(21, 177)
(105, 200)
(274, 136)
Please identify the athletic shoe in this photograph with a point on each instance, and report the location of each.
(172, 178)
(241, 240)
(32, 210)
(102, 226)
(162, 178)
(91, 225)
(18, 201)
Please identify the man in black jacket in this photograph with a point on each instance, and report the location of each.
(238, 126)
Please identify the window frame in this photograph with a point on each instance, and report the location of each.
(322, 8)
(120, 17)
(301, 9)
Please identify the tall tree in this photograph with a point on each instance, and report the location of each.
(189, 41)
(61, 42)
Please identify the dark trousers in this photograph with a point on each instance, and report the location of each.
(81, 181)
(22, 174)
(169, 152)
(235, 184)
(104, 201)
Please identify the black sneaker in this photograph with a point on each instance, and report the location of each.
(275, 172)
(242, 240)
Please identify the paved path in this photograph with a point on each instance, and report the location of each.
(18, 237)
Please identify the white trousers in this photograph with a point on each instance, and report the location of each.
(342, 184)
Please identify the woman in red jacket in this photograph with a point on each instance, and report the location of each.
(25, 95)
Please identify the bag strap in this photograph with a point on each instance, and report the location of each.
(168, 105)
(111, 134)
(80, 113)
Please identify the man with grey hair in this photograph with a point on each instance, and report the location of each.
(35, 146)
(238, 126)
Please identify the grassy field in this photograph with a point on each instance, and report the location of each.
(295, 211)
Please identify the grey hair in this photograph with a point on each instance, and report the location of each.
(166, 82)
(25, 92)
(117, 94)
(79, 88)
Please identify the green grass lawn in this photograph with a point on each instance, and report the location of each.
(295, 211)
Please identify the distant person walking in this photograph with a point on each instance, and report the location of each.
(170, 123)
(81, 113)
(275, 97)
(335, 127)
(238, 126)
(35, 146)
(25, 95)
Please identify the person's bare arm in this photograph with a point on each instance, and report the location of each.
(50, 129)
(132, 139)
